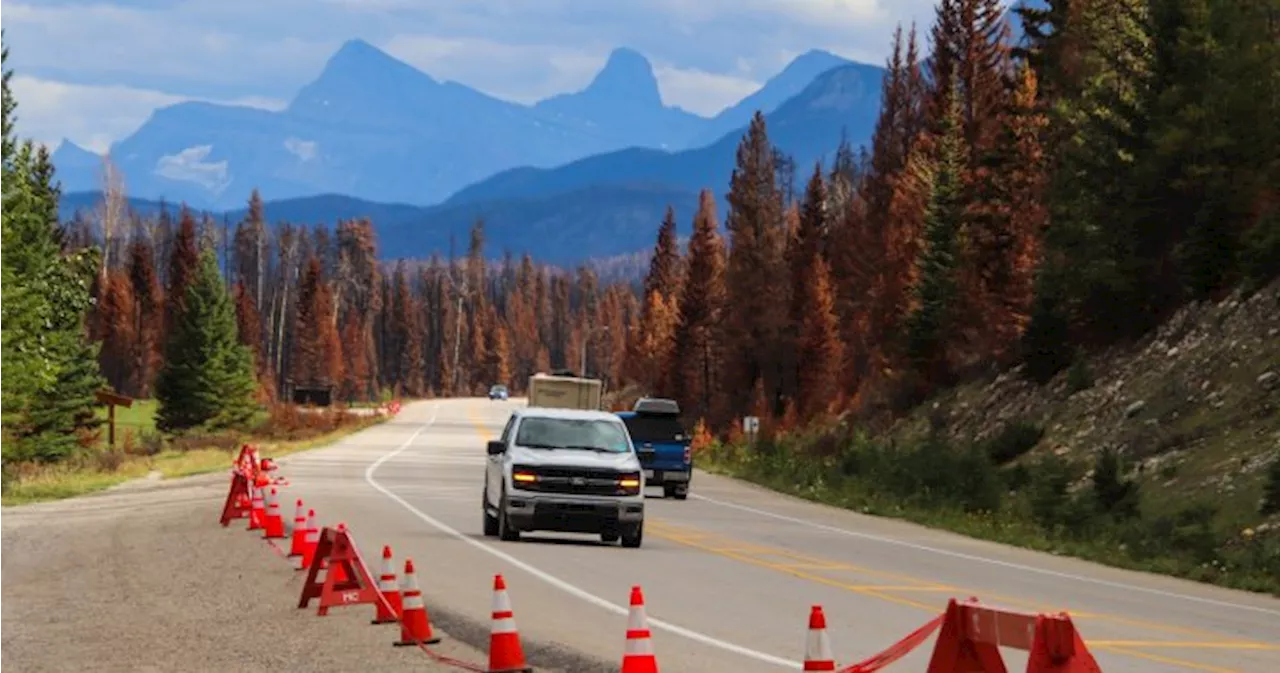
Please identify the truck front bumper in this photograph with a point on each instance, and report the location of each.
(571, 515)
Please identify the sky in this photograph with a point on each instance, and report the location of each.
(93, 71)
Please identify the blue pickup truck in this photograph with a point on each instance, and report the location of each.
(662, 444)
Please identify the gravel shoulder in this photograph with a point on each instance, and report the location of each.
(144, 579)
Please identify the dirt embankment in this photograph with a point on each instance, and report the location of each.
(1194, 407)
(145, 580)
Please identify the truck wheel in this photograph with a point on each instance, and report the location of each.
(609, 536)
(681, 493)
(505, 532)
(668, 491)
(490, 522)
(632, 536)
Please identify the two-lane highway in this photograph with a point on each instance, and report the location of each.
(729, 574)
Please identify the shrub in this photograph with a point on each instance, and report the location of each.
(1271, 492)
(109, 460)
(1014, 440)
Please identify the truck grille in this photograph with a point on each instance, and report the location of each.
(571, 481)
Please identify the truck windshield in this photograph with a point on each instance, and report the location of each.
(572, 433)
(654, 428)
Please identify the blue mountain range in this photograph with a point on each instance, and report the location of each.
(372, 131)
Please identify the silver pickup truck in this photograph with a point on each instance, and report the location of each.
(564, 470)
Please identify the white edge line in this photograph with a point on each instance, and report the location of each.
(989, 561)
(547, 577)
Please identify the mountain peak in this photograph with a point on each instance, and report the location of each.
(358, 59)
(812, 63)
(67, 150)
(627, 76)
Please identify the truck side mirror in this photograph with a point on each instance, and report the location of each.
(496, 447)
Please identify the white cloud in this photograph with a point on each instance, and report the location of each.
(93, 116)
(305, 150)
(136, 54)
(541, 71)
(190, 165)
(519, 72)
(701, 92)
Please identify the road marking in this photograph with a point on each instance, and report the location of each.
(1178, 644)
(989, 561)
(876, 591)
(545, 576)
(742, 548)
(729, 544)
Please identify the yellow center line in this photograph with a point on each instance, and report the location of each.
(1008, 601)
(740, 551)
(1179, 644)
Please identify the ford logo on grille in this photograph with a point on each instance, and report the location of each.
(578, 481)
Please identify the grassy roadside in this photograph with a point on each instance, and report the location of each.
(860, 478)
(279, 433)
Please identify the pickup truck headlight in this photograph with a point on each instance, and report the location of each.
(523, 478)
(629, 483)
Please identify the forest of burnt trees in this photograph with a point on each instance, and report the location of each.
(1016, 203)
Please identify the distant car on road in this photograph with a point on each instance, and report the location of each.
(662, 444)
(564, 470)
(498, 392)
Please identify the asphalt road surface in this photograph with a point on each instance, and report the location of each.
(730, 574)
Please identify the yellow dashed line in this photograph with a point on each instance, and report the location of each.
(1180, 644)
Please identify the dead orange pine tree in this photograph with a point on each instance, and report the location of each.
(651, 346)
(820, 350)
(115, 315)
(148, 316)
(755, 312)
(357, 373)
(183, 260)
(694, 371)
(1007, 222)
(317, 359)
(873, 241)
(249, 328)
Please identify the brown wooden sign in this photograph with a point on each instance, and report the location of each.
(112, 400)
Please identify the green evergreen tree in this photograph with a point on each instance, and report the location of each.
(64, 412)
(208, 376)
(51, 370)
(927, 326)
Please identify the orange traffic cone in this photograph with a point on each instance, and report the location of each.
(299, 541)
(390, 607)
(415, 625)
(638, 655)
(505, 653)
(257, 512)
(817, 650)
(273, 527)
(339, 574)
(310, 541)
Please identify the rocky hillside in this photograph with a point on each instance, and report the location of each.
(1194, 408)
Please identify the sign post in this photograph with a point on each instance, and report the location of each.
(751, 427)
(112, 399)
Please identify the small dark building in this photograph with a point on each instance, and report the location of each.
(316, 396)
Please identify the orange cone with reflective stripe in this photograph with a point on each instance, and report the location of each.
(273, 526)
(299, 541)
(505, 653)
(257, 512)
(390, 607)
(817, 649)
(638, 655)
(310, 541)
(415, 625)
